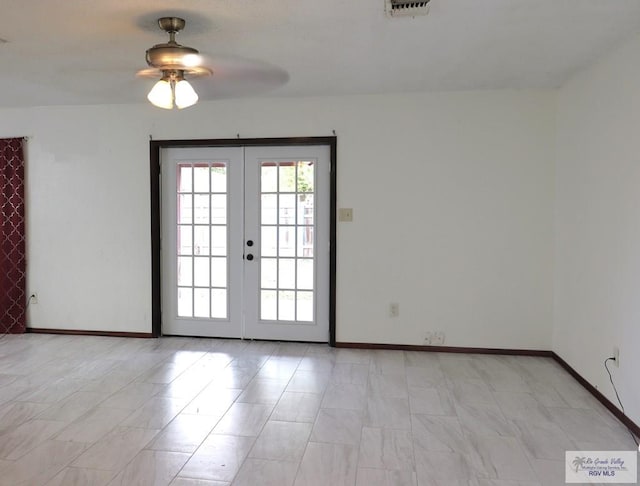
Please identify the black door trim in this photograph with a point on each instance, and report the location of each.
(155, 146)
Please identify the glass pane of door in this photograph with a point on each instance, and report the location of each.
(201, 257)
(286, 223)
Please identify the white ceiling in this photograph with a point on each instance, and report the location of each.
(87, 51)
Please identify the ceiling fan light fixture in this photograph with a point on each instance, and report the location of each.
(185, 95)
(161, 95)
(172, 91)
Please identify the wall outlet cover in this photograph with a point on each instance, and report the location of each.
(427, 338)
(438, 338)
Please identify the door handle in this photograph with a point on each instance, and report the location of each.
(249, 242)
(249, 257)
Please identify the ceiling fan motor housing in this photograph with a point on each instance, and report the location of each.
(170, 56)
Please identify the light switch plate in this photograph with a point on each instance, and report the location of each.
(345, 215)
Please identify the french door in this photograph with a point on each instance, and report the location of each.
(245, 242)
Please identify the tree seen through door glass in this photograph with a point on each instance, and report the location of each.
(218, 178)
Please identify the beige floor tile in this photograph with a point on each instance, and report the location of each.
(388, 412)
(297, 407)
(19, 441)
(438, 433)
(354, 356)
(348, 396)
(246, 419)
(74, 406)
(317, 363)
(337, 426)
(132, 396)
(384, 477)
(389, 385)
(307, 381)
(385, 362)
(328, 464)
(93, 425)
(431, 401)
(282, 441)
(197, 482)
(352, 373)
(156, 413)
(262, 390)
(41, 464)
(278, 369)
(500, 482)
(13, 414)
(185, 433)
(162, 374)
(236, 376)
(219, 458)
(212, 401)
(115, 449)
(502, 458)
(75, 476)
(53, 392)
(425, 377)
(265, 472)
(386, 449)
(443, 469)
(151, 468)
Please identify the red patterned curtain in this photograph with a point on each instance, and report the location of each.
(12, 239)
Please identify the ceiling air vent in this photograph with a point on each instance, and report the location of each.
(407, 8)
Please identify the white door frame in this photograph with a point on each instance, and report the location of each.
(156, 200)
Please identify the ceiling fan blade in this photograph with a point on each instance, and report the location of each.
(235, 77)
(227, 76)
(149, 73)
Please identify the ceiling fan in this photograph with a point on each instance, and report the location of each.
(173, 63)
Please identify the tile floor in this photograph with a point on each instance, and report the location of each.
(185, 412)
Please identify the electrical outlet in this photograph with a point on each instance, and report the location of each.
(616, 356)
(394, 309)
(428, 335)
(33, 298)
(438, 338)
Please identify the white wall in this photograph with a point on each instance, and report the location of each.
(597, 270)
(452, 196)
